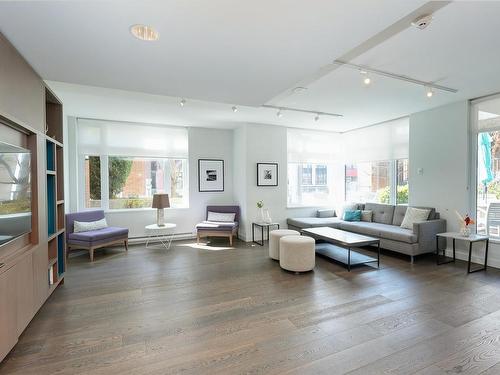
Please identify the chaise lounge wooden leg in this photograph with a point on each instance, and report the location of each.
(126, 245)
(231, 239)
(91, 252)
(197, 238)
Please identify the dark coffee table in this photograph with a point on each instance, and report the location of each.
(339, 245)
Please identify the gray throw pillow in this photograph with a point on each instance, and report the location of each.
(326, 213)
(367, 215)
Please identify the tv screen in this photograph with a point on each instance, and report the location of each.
(15, 192)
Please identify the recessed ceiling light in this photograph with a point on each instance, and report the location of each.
(430, 93)
(422, 22)
(144, 32)
(183, 102)
(235, 109)
(299, 89)
(367, 80)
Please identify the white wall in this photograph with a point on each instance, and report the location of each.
(265, 143)
(439, 145)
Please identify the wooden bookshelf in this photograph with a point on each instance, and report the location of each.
(55, 191)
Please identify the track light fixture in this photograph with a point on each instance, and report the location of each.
(235, 109)
(316, 118)
(279, 113)
(183, 102)
(430, 93)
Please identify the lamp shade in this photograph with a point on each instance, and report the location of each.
(160, 201)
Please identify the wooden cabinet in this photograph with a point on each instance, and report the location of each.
(24, 296)
(8, 311)
(41, 285)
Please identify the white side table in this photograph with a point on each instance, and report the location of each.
(470, 239)
(164, 234)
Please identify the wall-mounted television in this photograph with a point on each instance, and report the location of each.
(15, 192)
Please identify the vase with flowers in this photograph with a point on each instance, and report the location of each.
(265, 217)
(465, 222)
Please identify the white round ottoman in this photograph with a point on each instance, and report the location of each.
(274, 241)
(297, 253)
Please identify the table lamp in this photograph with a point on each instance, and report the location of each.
(160, 201)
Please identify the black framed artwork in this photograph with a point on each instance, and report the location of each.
(267, 174)
(210, 175)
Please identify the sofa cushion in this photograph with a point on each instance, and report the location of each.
(386, 231)
(99, 234)
(330, 212)
(382, 213)
(399, 215)
(311, 222)
(216, 225)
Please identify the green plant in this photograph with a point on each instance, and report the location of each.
(260, 204)
(384, 195)
(119, 170)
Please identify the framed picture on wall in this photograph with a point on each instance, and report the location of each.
(210, 175)
(267, 174)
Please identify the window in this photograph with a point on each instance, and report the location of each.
(486, 125)
(402, 187)
(373, 182)
(133, 181)
(488, 183)
(308, 184)
(314, 173)
(122, 165)
(92, 181)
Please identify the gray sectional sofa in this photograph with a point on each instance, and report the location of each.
(385, 224)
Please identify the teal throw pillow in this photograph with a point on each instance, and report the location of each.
(352, 215)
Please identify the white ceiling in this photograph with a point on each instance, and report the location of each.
(248, 53)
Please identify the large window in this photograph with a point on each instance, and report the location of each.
(377, 181)
(310, 184)
(487, 126)
(114, 176)
(314, 173)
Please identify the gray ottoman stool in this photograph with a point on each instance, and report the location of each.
(274, 241)
(297, 253)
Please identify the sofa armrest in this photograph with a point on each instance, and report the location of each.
(426, 232)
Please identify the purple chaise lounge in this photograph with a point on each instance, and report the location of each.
(93, 239)
(219, 229)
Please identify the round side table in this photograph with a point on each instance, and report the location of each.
(164, 234)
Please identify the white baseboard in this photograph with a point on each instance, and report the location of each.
(464, 255)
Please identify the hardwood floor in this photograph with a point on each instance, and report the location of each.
(197, 311)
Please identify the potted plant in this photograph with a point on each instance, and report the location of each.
(264, 213)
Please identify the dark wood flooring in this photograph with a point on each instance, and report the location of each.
(196, 311)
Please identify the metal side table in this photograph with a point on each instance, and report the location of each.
(470, 239)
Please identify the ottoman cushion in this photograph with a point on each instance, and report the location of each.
(297, 253)
(274, 241)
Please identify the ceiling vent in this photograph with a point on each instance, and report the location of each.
(422, 22)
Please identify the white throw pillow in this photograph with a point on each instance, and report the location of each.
(367, 215)
(86, 226)
(223, 217)
(414, 215)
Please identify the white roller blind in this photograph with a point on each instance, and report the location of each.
(98, 137)
(386, 141)
(486, 114)
(307, 146)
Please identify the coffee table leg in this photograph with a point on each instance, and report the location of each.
(349, 259)
(378, 252)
